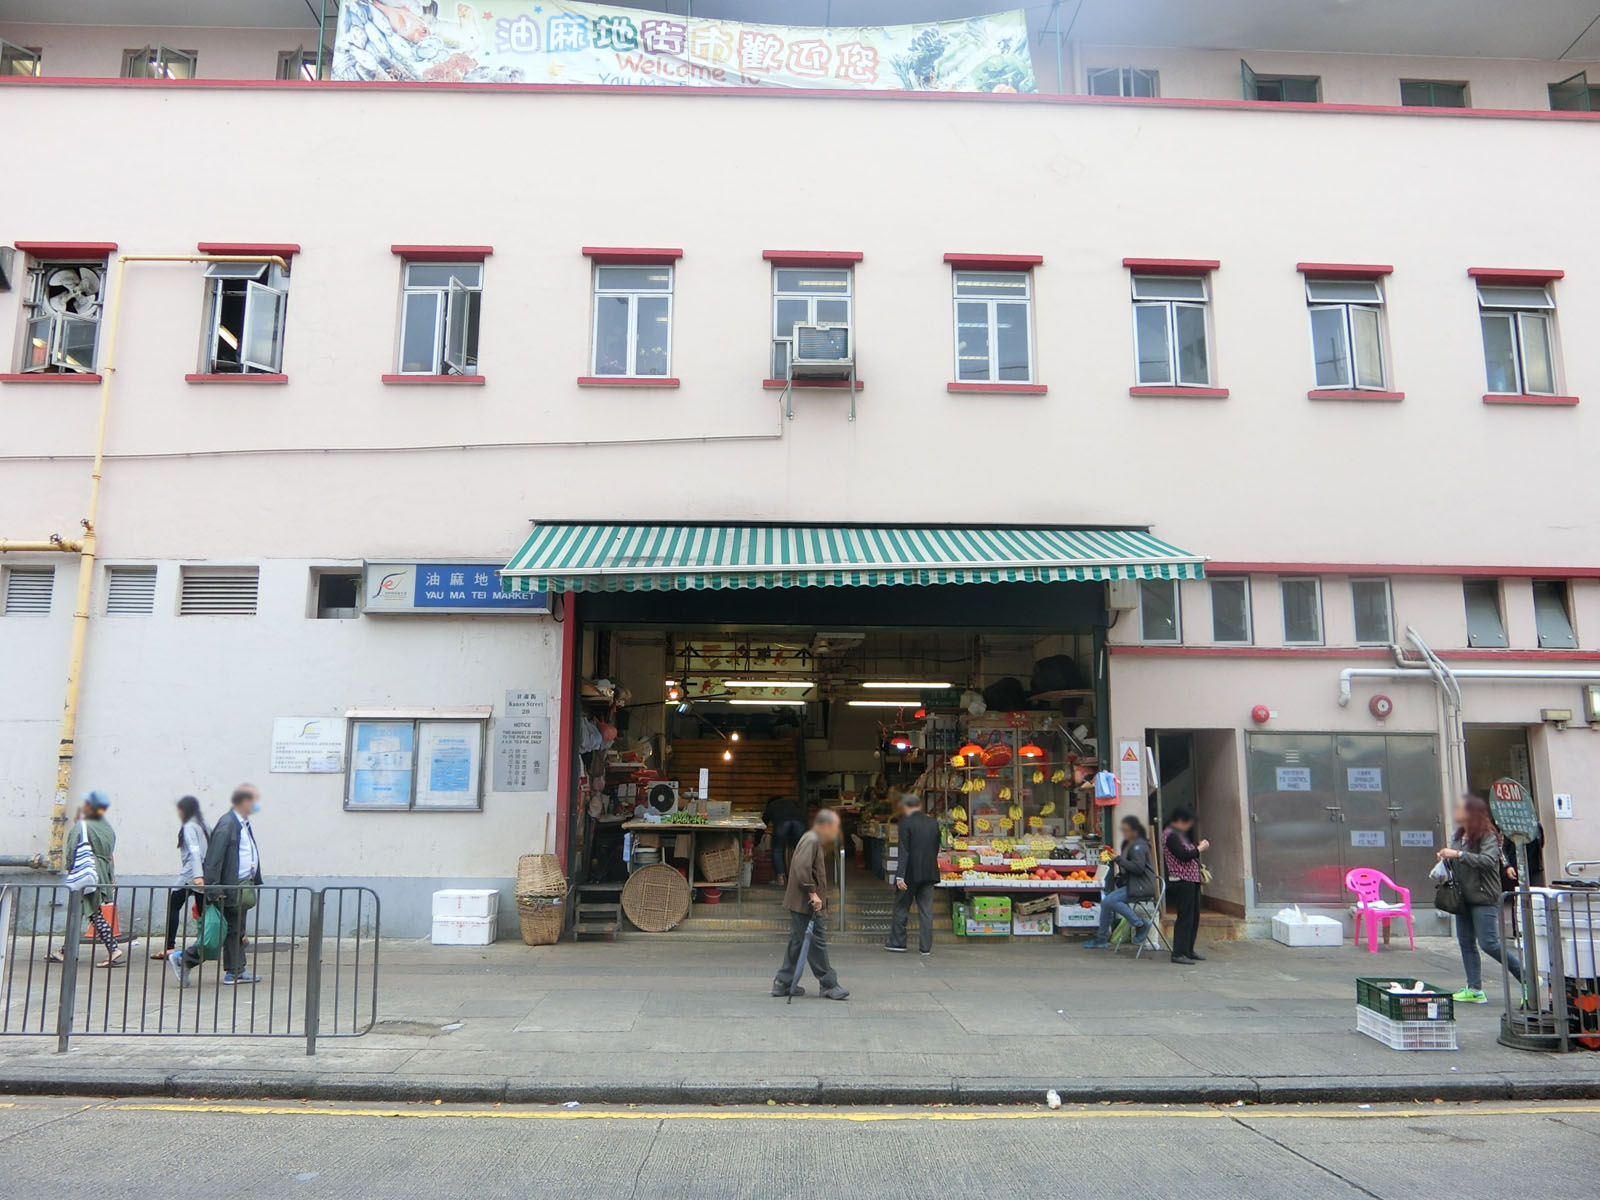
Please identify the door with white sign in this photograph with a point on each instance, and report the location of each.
(1416, 811)
(1361, 790)
(1295, 829)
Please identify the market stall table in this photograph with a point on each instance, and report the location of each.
(737, 826)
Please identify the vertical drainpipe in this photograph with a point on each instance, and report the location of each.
(566, 738)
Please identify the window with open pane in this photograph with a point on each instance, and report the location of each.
(1346, 332)
(1518, 341)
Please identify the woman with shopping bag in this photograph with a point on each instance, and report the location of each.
(91, 843)
(1472, 893)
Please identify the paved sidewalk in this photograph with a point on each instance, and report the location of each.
(661, 1021)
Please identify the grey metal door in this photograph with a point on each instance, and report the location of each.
(1294, 818)
(1362, 790)
(1416, 815)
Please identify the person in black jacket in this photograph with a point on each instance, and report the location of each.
(1184, 876)
(1135, 870)
(917, 874)
(232, 863)
(787, 821)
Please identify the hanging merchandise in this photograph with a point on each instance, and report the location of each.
(997, 755)
(1105, 789)
(1038, 776)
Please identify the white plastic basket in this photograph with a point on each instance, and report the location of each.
(1406, 1035)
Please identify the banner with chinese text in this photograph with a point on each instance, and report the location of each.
(555, 41)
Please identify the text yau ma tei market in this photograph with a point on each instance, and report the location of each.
(714, 668)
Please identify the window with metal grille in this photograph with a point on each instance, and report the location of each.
(209, 592)
(28, 591)
(130, 591)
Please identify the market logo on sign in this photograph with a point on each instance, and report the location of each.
(388, 583)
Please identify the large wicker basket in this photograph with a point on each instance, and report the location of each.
(542, 920)
(656, 898)
(540, 875)
(719, 858)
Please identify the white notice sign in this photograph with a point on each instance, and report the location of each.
(307, 745)
(1368, 837)
(521, 743)
(1130, 773)
(1417, 838)
(1294, 779)
(1364, 779)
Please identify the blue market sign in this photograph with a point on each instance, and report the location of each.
(443, 588)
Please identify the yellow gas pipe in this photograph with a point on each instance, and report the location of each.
(86, 547)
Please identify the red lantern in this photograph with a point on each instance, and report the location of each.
(1031, 751)
(970, 751)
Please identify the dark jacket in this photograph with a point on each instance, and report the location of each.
(102, 844)
(1136, 869)
(222, 858)
(1477, 871)
(782, 809)
(808, 872)
(919, 850)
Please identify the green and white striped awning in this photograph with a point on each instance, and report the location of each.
(574, 557)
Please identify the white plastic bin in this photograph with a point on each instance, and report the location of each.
(463, 931)
(466, 902)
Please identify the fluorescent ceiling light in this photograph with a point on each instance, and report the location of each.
(769, 703)
(876, 683)
(772, 683)
(884, 703)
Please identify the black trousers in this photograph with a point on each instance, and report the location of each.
(922, 893)
(1186, 896)
(177, 899)
(818, 955)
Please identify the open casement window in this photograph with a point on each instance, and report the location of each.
(248, 303)
(440, 307)
(1170, 335)
(61, 317)
(1296, 89)
(19, 60)
(1518, 339)
(158, 62)
(1572, 94)
(994, 328)
(805, 296)
(633, 321)
(1346, 332)
(1122, 81)
(1485, 626)
(302, 64)
(1552, 616)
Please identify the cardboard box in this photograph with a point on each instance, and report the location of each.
(977, 928)
(651, 840)
(991, 908)
(683, 845)
(1040, 925)
(1074, 916)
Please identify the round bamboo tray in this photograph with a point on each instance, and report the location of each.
(656, 898)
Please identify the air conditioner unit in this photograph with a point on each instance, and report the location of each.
(821, 352)
(663, 797)
(1122, 594)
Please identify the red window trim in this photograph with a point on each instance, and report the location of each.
(442, 253)
(779, 384)
(1015, 389)
(67, 249)
(230, 377)
(993, 262)
(1332, 568)
(1530, 399)
(457, 380)
(812, 258)
(1352, 394)
(281, 249)
(628, 381)
(1344, 270)
(630, 256)
(47, 377)
(1515, 276)
(1171, 266)
(1181, 393)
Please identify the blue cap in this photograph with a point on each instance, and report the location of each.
(97, 799)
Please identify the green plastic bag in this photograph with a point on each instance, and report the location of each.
(211, 928)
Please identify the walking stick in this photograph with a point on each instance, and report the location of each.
(805, 954)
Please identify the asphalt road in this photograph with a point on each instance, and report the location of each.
(57, 1147)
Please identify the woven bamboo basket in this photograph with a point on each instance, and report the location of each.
(540, 875)
(542, 920)
(719, 858)
(656, 898)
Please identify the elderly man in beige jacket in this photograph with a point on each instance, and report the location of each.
(806, 898)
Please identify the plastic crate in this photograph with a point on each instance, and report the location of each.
(1406, 1035)
(1431, 1004)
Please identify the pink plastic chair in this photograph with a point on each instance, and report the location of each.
(1368, 886)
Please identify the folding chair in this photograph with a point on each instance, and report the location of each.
(1150, 912)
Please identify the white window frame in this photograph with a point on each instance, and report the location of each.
(420, 725)
(1152, 285)
(36, 312)
(155, 62)
(1495, 304)
(1177, 613)
(272, 294)
(633, 295)
(1126, 78)
(1388, 608)
(450, 296)
(991, 306)
(1347, 310)
(1316, 583)
(1249, 614)
(848, 296)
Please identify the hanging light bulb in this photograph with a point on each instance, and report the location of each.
(734, 736)
(1030, 751)
(727, 756)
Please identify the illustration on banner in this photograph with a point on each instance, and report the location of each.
(532, 41)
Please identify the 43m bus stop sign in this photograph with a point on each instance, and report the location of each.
(1513, 810)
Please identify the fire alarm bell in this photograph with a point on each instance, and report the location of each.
(1380, 706)
(1260, 714)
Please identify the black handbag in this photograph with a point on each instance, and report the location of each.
(1447, 896)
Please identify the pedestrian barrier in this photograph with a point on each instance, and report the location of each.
(1555, 932)
(310, 961)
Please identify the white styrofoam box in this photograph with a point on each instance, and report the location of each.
(466, 902)
(1577, 954)
(463, 931)
(1077, 916)
(1313, 931)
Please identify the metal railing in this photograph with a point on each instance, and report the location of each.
(307, 962)
(1556, 934)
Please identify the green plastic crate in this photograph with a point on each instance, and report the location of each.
(1431, 1004)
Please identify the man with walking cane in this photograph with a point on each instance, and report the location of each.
(806, 898)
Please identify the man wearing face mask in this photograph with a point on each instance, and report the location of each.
(232, 873)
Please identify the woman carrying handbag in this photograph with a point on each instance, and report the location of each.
(1472, 893)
